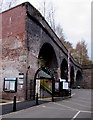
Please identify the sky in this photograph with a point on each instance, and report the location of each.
(74, 16)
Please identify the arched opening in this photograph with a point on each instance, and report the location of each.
(72, 77)
(48, 61)
(47, 57)
(47, 87)
(64, 77)
(64, 70)
(78, 78)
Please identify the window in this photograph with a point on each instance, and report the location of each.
(10, 85)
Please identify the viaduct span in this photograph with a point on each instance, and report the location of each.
(28, 43)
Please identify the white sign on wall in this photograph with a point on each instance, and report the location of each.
(62, 80)
(65, 85)
(57, 86)
(21, 78)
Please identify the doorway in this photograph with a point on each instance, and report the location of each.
(44, 84)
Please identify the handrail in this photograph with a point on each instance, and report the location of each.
(46, 88)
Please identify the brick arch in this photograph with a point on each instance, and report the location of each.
(78, 77)
(48, 55)
(64, 69)
(72, 75)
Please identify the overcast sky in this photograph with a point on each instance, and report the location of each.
(74, 16)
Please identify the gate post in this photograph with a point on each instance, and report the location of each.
(14, 104)
(52, 90)
(37, 99)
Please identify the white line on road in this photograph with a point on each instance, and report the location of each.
(75, 115)
(76, 100)
(73, 108)
(43, 106)
(73, 94)
(0, 117)
(86, 111)
(78, 104)
(85, 99)
(54, 108)
(66, 107)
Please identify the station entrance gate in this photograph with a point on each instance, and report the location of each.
(44, 83)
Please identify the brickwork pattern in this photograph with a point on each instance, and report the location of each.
(13, 47)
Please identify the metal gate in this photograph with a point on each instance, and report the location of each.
(44, 83)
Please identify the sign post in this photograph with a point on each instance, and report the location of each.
(68, 68)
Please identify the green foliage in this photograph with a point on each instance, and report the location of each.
(42, 62)
(68, 45)
(80, 53)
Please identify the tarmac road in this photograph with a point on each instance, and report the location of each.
(78, 106)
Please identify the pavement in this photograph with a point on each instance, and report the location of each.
(7, 106)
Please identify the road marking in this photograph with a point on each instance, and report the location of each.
(72, 94)
(77, 104)
(75, 115)
(85, 99)
(55, 108)
(66, 107)
(51, 108)
(86, 111)
(73, 108)
(0, 117)
(43, 106)
(75, 99)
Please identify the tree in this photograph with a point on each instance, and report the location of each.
(67, 44)
(80, 53)
(48, 11)
(59, 32)
(1, 5)
(6, 4)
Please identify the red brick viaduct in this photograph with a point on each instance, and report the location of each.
(25, 38)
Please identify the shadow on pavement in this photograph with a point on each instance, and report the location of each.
(7, 108)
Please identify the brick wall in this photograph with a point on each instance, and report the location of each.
(13, 46)
(87, 73)
(0, 55)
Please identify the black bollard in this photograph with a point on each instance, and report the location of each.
(14, 104)
(37, 99)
